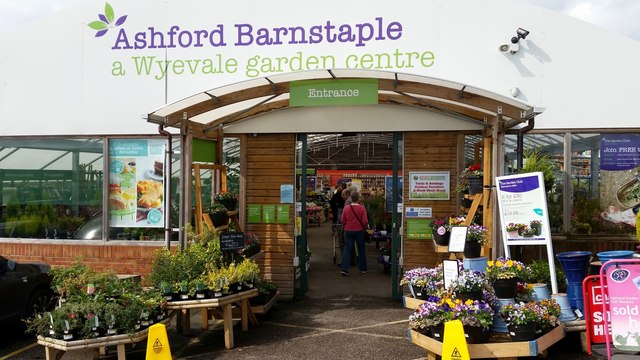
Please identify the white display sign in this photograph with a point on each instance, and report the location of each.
(418, 212)
(457, 239)
(522, 204)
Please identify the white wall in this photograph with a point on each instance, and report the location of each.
(56, 76)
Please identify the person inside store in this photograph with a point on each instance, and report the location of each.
(337, 202)
(354, 223)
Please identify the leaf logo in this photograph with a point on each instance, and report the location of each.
(106, 21)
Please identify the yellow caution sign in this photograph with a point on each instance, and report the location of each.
(454, 346)
(158, 343)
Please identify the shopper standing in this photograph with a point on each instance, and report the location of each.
(354, 223)
(337, 202)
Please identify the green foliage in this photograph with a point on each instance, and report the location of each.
(376, 211)
(539, 273)
(535, 159)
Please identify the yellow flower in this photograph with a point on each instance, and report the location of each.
(509, 263)
(498, 263)
(490, 263)
(519, 267)
(468, 302)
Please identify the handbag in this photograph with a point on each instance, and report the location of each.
(367, 234)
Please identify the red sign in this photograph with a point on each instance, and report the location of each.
(594, 318)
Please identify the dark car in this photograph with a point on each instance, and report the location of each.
(24, 288)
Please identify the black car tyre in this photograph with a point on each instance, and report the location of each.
(40, 300)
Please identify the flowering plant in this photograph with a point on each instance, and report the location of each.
(519, 313)
(535, 223)
(431, 313)
(548, 313)
(430, 280)
(217, 208)
(468, 280)
(439, 222)
(524, 292)
(472, 170)
(477, 233)
(474, 313)
(505, 268)
(457, 220)
(226, 196)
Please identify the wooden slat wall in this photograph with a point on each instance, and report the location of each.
(428, 151)
(269, 163)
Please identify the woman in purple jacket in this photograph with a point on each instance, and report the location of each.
(354, 224)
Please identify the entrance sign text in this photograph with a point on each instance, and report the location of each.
(334, 92)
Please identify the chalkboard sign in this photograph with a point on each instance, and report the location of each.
(231, 241)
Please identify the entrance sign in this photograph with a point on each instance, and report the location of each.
(333, 92)
(522, 204)
(623, 287)
(429, 185)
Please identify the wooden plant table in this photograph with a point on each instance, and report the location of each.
(262, 309)
(55, 349)
(504, 350)
(224, 303)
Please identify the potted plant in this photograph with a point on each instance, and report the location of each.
(505, 274)
(440, 229)
(536, 225)
(217, 282)
(476, 317)
(470, 180)
(535, 159)
(428, 315)
(476, 238)
(219, 214)
(521, 319)
(469, 285)
(227, 198)
(424, 282)
(266, 290)
(512, 230)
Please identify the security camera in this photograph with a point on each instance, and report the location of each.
(514, 48)
(503, 47)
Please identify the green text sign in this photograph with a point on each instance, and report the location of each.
(333, 92)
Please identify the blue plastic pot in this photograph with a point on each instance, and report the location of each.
(575, 264)
(605, 256)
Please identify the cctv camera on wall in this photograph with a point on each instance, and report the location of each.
(514, 48)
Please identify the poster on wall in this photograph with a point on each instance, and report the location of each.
(433, 185)
(388, 188)
(623, 288)
(136, 183)
(419, 229)
(619, 177)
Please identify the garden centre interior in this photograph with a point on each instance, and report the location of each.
(442, 103)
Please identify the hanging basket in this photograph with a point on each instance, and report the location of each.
(219, 219)
(441, 236)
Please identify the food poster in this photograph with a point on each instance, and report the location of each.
(523, 209)
(619, 177)
(623, 288)
(136, 182)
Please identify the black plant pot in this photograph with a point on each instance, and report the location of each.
(219, 219)
(475, 185)
(472, 249)
(441, 236)
(522, 332)
(505, 288)
(476, 334)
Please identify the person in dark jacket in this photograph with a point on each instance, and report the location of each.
(336, 203)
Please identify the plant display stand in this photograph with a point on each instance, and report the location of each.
(262, 309)
(55, 349)
(224, 305)
(497, 347)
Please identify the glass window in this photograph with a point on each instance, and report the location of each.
(49, 187)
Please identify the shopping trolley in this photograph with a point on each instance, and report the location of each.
(338, 244)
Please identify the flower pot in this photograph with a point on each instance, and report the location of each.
(505, 288)
(537, 229)
(441, 236)
(498, 325)
(513, 234)
(475, 264)
(472, 249)
(470, 295)
(540, 292)
(437, 332)
(575, 265)
(229, 204)
(475, 185)
(525, 332)
(605, 256)
(476, 334)
(219, 219)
